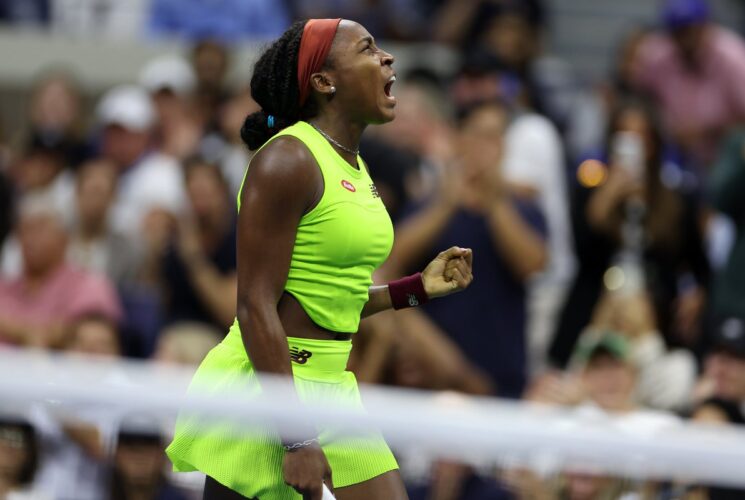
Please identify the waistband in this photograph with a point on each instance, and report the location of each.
(306, 355)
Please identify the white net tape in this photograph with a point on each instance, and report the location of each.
(477, 430)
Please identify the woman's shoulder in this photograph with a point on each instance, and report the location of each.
(284, 158)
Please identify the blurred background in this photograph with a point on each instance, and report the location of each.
(591, 152)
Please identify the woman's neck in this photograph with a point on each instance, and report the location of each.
(343, 130)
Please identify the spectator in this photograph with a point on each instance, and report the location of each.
(41, 169)
(231, 153)
(77, 440)
(211, 61)
(170, 80)
(139, 465)
(19, 456)
(724, 373)
(95, 335)
(37, 307)
(726, 186)
(94, 245)
(186, 343)
(149, 181)
(694, 71)
(722, 391)
(474, 208)
(672, 243)
(198, 270)
(230, 20)
(56, 117)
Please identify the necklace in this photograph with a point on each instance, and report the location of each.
(355, 152)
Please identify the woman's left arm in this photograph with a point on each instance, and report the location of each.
(451, 271)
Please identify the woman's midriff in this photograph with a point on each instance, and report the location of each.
(297, 323)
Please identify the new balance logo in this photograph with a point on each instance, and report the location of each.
(300, 357)
(374, 191)
(413, 301)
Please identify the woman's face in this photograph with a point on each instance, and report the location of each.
(635, 121)
(480, 140)
(362, 74)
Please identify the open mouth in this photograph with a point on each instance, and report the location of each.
(389, 86)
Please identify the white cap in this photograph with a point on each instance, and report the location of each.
(168, 72)
(126, 105)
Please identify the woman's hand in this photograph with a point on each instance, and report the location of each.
(450, 272)
(306, 470)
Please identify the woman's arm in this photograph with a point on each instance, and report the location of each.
(522, 248)
(451, 271)
(281, 185)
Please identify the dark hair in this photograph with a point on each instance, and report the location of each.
(641, 104)
(195, 163)
(274, 87)
(463, 113)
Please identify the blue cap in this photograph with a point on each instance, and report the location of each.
(681, 13)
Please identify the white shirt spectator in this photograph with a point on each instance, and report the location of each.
(66, 470)
(155, 182)
(534, 157)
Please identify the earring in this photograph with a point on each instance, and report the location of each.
(333, 90)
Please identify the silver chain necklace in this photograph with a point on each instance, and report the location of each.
(355, 152)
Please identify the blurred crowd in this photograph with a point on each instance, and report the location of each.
(607, 224)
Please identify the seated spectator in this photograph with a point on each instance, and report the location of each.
(475, 209)
(149, 180)
(38, 306)
(95, 335)
(672, 247)
(186, 343)
(19, 456)
(211, 61)
(94, 244)
(694, 71)
(724, 368)
(226, 147)
(77, 440)
(170, 80)
(198, 269)
(41, 168)
(722, 389)
(139, 467)
(56, 117)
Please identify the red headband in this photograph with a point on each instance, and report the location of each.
(314, 48)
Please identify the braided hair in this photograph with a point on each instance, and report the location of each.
(274, 87)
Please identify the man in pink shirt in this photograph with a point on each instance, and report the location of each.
(37, 307)
(695, 72)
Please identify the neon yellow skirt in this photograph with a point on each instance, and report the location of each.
(252, 464)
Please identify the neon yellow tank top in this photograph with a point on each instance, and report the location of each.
(340, 242)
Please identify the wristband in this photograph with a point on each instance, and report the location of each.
(408, 292)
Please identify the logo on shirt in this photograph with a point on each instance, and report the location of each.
(349, 186)
(374, 191)
(300, 357)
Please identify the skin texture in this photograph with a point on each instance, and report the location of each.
(283, 183)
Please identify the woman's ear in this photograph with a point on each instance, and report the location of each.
(322, 84)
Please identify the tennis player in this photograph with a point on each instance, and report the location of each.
(311, 231)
